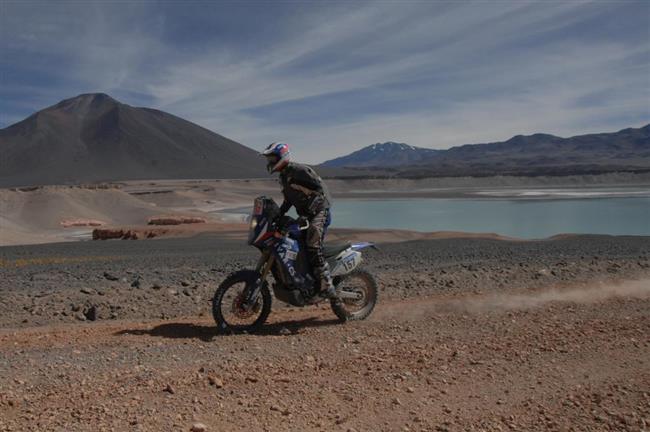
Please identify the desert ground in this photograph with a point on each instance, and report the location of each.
(471, 334)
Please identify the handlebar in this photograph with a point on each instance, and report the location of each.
(283, 223)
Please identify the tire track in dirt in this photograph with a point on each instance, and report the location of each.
(289, 320)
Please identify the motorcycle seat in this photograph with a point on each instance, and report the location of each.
(332, 250)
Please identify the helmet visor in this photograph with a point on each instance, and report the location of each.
(271, 161)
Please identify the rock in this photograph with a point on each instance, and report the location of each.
(136, 283)
(284, 331)
(215, 382)
(80, 316)
(91, 313)
(110, 277)
(85, 291)
(117, 233)
(175, 220)
(198, 427)
(169, 389)
(185, 283)
(72, 222)
(156, 286)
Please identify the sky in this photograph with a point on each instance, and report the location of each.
(333, 77)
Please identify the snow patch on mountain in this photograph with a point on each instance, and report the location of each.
(385, 154)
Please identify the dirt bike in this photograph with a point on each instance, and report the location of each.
(243, 300)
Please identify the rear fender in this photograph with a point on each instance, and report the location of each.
(363, 245)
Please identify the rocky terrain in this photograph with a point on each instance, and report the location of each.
(170, 278)
(470, 334)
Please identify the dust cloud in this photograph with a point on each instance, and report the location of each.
(590, 293)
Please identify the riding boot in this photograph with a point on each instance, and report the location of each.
(327, 289)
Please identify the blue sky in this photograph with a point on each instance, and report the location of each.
(332, 77)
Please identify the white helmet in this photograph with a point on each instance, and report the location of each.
(277, 155)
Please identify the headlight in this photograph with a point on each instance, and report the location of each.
(251, 229)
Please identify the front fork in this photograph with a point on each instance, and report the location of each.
(263, 268)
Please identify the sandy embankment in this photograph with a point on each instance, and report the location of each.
(36, 216)
(61, 213)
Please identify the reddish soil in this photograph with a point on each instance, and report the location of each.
(68, 223)
(560, 358)
(175, 220)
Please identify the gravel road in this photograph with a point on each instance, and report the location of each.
(169, 278)
(469, 335)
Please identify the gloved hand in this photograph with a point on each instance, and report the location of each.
(277, 221)
(303, 222)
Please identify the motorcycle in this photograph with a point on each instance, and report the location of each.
(242, 302)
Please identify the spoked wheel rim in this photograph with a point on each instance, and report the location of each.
(232, 307)
(357, 284)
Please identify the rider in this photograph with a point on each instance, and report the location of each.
(303, 189)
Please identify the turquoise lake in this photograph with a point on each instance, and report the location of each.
(522, 218)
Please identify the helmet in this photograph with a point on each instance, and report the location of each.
(277, 155)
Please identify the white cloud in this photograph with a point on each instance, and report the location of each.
(508, 68)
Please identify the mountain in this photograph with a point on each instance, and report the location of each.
(93, 138)
(386, 154)
(625, 150)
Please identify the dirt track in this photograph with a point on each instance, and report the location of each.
(470, 334)
(176, 278)
(567, 357)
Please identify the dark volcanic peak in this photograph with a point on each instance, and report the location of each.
(93, 137)
(382, 155)
(86, 102)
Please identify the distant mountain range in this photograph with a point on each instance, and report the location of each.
(388, 154)
(625, 150)
(93, 138)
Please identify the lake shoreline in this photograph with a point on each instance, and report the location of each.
(39, 215)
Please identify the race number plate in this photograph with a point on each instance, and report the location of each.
(347, 263)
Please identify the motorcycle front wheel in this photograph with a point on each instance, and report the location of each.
(228, 308)
(363, 286)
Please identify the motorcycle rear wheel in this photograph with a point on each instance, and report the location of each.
(355, 310)
(234, 318)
